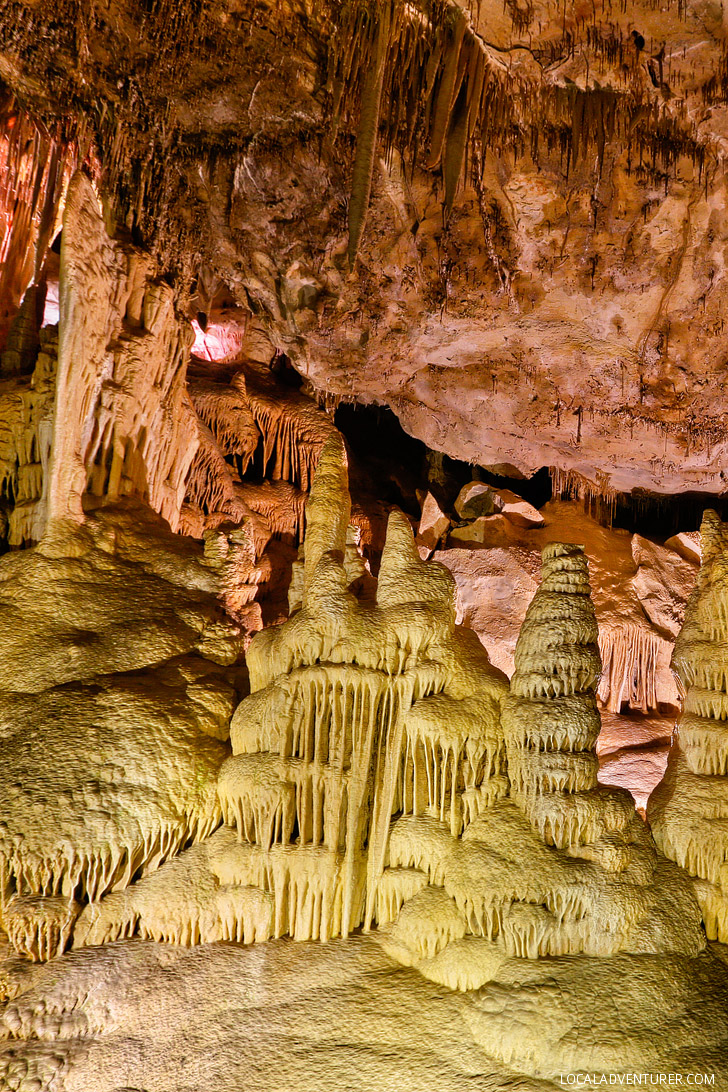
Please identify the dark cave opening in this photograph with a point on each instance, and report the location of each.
(401, 466)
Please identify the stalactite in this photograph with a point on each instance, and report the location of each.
(294, 430)
(37, 165)
(599, 498)
(429, 921)
(630, 655)
(184, 902)
(368, 131)
(123, 422)
(225, 410)
(280, 504)
(433, 87)
(39, 926)
(396, 886)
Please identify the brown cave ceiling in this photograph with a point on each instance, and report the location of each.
(504, 221)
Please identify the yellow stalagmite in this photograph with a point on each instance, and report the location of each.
(358, 710)
(688, 811)
(371, 780)
(557, 661)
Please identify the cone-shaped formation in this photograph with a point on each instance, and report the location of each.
(328, 509)
(551, 719)
(609, 891)
(689, 809)
(357, 711)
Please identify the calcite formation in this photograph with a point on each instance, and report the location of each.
(600, 887)
(357, 710)
(689, 810)
(538, 190)
(244, 412)
(382, 774)
(126, 700)
(238, 708)
(123, 422)
(552, 721)
(36, 167)
(372, 780)
(639, 590)
(384, 778)
(191, 899)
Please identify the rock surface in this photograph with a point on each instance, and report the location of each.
(345, 1015)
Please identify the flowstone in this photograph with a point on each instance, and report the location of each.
(114, 712)
(384, 779)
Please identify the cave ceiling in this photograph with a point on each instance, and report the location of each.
(505, 221)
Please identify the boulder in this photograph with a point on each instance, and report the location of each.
(433, 525)
(663, 582)
(469, 534)
(476, 499)
(517, 510)
(687, 544)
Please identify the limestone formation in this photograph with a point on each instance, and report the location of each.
(358, 710)
(639, 590)
(552, 721)
(433, 525)
(243, 411)
(36, 166)
(517, 510)
(125, 699)
(123, 422)
(689, 809)
(191, 899)
(476, 499)
(551, 864)
(371, 780)
(280, 282)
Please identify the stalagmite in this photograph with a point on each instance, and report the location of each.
(688, 811)
(361, 712)
(358, 710)
(557, 658)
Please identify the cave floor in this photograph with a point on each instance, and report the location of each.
(137, 1016)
